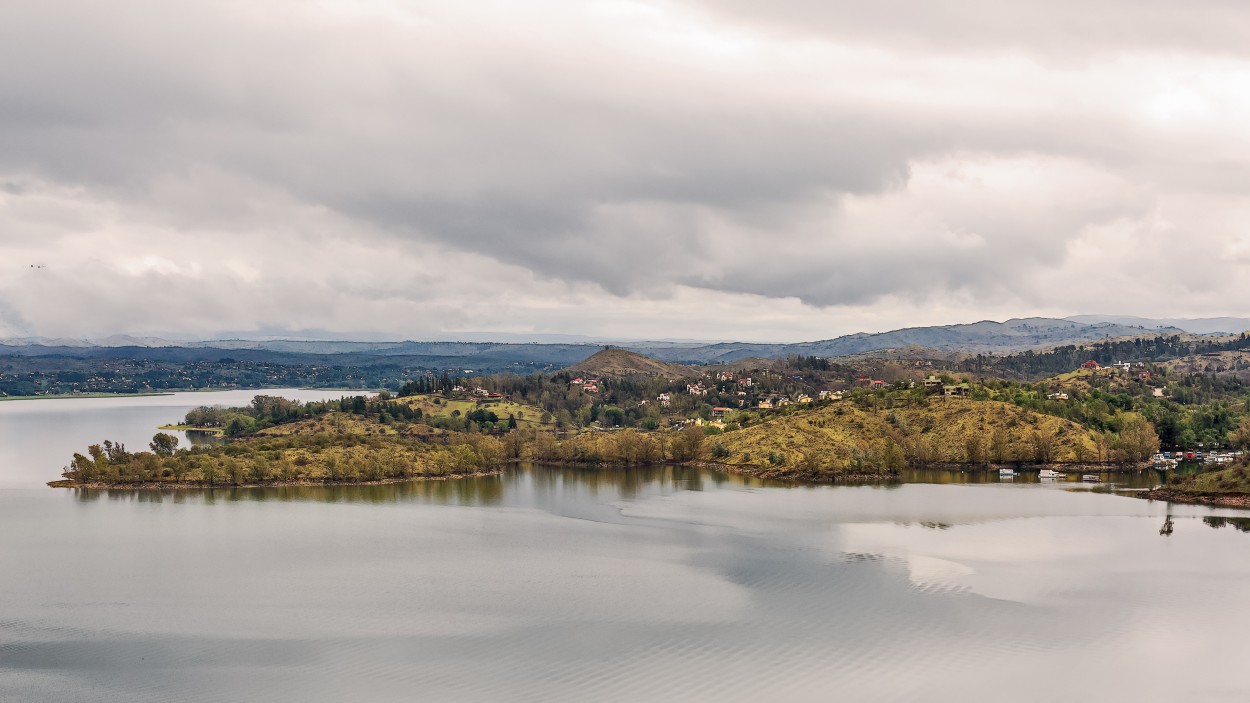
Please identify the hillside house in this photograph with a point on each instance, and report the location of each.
(803, 399)
(664, 399)
(718, 413)
(876, 384)
(766, 404)
(959, 389)
(1091, 365)
(1057, 395)
(746, 382)
(577, 381)
(696, 389)
(1144, 376)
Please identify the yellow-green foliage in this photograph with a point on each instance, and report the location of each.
(337, 448)
(844, 438)
(526, 415)
(1234, 479)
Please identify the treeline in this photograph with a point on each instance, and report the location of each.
(1033, 364)
(322, 457)
(1197, 411)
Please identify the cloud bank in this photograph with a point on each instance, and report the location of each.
(697, 168)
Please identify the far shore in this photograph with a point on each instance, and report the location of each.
(65, 396)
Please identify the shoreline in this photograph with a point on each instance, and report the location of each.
(201, 485)
(1215, 500)
(69, 396)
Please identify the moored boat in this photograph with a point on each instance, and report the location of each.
(1049, 473)
(1091, 478)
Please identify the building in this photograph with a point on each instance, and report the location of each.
(718, 413)
(766, 404)
(959, 389)
(1091, 365)
(664, 399)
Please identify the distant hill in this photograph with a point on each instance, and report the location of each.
(1198, 325)
(622, 362)
(986, 337)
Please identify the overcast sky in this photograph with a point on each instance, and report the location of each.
(718, 169)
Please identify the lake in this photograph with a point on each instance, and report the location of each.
(566, 584)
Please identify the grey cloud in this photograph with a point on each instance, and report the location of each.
(579, 152)
(1060, 29)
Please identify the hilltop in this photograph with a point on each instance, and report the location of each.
(843, 438)
(622, 362)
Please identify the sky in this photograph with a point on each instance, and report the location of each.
(703, 169)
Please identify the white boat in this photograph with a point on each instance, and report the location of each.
(1049, 473)
(1006, 472)
(1091, 478)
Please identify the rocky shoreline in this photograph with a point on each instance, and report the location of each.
(1219, 500)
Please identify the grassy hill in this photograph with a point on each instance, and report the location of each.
(843, 439)
(622, 362)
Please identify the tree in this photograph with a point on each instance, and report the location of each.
(163, 444)
(1240, 437)
(1137, 440)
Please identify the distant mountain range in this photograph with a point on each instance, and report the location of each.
(979, 337)
(1200, 325)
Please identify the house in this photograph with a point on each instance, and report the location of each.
(1091, 365)
(1144, 376)
(719, 413)
(725, 376)
(577, 381)
(664, 399)
(784, 402)
(696, 389)
(1057, 395)
(876, 384)
(590, 388)
(766, 404)
(931, 382)
(746, 382)
(1124, 366)
(960, 389)
(803, 399)
(830, 395)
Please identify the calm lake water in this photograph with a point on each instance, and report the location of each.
(592, 585)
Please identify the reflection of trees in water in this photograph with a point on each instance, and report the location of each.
(1241, 524)
(204, 439)
(627, 482)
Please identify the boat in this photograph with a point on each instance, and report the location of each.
(1091, 478)
(1006, 472)
(1049, 473)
